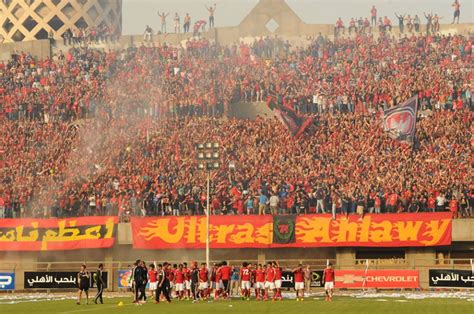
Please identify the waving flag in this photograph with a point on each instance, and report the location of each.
(400, 121)
(295, 123)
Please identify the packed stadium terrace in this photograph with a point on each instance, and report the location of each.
(93, 132)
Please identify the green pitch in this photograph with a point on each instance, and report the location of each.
(339, 305)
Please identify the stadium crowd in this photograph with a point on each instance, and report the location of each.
(406, 22)
(94, 132)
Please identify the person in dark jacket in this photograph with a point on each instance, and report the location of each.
(100, 284)
(163, 285)
(140, 277)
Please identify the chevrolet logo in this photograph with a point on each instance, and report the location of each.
(349, 278)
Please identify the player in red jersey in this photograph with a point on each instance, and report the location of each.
(179, 282)
(298, 274)
(270, 281)
(153, 279)
(187, 280)
(245, 280)
(203, 281)
(225, 271)
(260, 282)
(253, 278)
(213, 286)
(218, 282)
(278, 275)
(328, 280)
(171, 273)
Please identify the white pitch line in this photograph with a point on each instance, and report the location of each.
(95, 308)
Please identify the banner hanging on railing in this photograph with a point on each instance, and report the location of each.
(57, 234)
(387, 230)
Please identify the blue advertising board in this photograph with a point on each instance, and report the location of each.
(7, 281)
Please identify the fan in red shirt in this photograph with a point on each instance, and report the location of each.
(259, 281)
(203, 280)
(299, 282)
(453, 207)
(278, 275)
(245, 280)
(328, 279)
(179, 282)
(270, 281)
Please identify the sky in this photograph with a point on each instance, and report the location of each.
(138, 13)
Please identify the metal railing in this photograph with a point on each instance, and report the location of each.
(285, 263)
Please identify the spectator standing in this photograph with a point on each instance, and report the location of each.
(409, 23)
(2, 207)
(274, 202)
(436, 24)
(457, 11)
(352, 26)
(373, 16)
(211, 10)
(429, 21)
(177, 23)
(262, 203)
(416, 23)
(163, 17)
(441, 202)
(401, 22)
(187, 23)
(339, 27)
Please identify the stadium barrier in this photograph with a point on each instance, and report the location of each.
(363, 274)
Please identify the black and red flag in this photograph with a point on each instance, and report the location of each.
(294, 122)
(400, 121)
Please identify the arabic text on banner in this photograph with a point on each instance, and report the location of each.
(451, 278)
(388, 230)
(57, 234)
(57, 280)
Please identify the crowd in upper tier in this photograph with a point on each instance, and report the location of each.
(94, 132)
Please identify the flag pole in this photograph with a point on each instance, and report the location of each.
(365, 274)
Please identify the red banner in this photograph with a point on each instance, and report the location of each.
(383, 230)
(389, 279)
(57, 234)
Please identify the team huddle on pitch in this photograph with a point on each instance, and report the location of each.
(200, 283)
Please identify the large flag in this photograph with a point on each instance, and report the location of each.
(295, 123)
(284, 229)
(400, 121)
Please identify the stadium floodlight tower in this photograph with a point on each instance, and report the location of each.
(208, 159)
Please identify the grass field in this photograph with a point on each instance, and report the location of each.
(339, 305)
